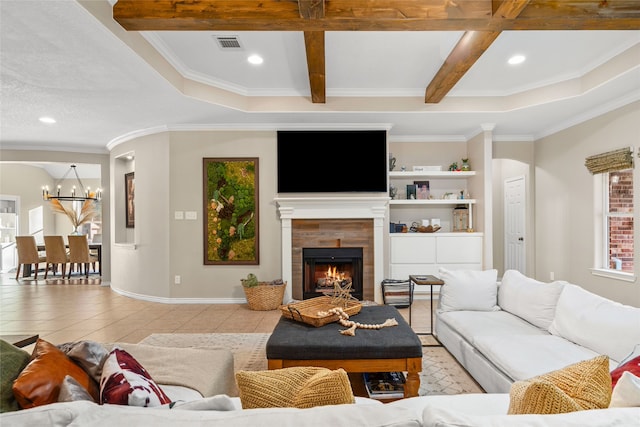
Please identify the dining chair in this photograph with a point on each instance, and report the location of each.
(56, 253)
(28, 254)
(79, 254)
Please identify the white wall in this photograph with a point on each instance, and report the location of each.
(168, 172)
(141, 262)
(26, 182)
(565, 202)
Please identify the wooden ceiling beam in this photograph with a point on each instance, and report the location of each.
(311, 9)
(372, 15)
(314, 48)
(468, 50)
(314, 45)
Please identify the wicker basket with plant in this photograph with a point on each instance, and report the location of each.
(263, 295)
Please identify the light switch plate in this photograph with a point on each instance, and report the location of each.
(178, 215)
(191, 215)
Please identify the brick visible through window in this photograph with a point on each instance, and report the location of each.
(620, 221)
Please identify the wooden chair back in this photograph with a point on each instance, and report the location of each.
(27, 250)
(79, 249)
(55, 249)
(79, 253)
(56, 254)
(28, 253)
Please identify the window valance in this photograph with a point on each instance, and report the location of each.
(611, 161)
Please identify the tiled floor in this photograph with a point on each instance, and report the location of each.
(60, 312)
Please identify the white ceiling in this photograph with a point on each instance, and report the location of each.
(71, 61)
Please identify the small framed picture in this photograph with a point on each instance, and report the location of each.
(411, 192)
(130, 211)
(422, 190)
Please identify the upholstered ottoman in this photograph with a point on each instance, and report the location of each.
(395, 348)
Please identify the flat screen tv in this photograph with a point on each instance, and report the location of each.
(332, 161)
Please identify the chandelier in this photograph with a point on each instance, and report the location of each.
(79, 194)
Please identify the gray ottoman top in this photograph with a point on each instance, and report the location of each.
(295, 340)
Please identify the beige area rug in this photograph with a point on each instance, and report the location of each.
(441, 374)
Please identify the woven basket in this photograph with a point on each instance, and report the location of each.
(265, 296)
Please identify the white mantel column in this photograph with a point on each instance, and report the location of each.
(287, 267)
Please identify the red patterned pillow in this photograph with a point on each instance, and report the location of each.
(632, 366)
(125, 382)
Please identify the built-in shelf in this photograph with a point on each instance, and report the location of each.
(432, 174)
(432, 201)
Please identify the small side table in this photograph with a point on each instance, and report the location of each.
(430, 281)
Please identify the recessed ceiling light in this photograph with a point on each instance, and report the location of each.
(47, 120)
(255, 59)
(517, 59)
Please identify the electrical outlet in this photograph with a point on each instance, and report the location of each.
(552, 276)
(177, 280)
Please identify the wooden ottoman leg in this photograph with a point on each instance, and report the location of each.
(411, 387)
(275, 364)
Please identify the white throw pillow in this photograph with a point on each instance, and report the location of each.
(626, 393)
(604, 326)
(528, 298)
(469, 290)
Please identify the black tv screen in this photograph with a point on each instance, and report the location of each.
(332, 161)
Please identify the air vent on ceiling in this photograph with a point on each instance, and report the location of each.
(228, 42)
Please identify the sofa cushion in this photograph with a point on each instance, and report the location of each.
(472, 324)
(39, 382)
(528, 298)
(579, 386)
(444, 417)
(209, 370)
(469, 290)
(301, 387)
(525, 356)
(632, 366)
(14, 360)
(125, 382)
(602, 325)
(626, 393)
(71, 390)
(89, 414)
(89, 355)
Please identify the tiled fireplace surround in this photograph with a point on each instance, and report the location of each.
(333, 222)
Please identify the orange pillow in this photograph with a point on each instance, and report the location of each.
(39, 382)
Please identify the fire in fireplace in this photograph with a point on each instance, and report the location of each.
(324, 268)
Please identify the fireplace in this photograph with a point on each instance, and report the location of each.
(334, 222)
(324, 268)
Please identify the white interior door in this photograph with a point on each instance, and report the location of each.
(514, 224)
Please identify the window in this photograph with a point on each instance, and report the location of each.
(618, 221)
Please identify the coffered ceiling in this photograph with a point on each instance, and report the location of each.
(424, 69)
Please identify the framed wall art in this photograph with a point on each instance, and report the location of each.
(130, 207)
(230, 202)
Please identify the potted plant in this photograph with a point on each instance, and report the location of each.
(263, 295)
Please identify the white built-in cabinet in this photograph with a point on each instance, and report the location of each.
(425, 253)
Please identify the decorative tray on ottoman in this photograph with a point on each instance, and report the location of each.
(307, 311)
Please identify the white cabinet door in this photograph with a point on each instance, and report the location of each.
(413, 249)
(462, 249)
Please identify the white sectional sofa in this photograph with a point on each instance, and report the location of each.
(499, 334)
(521, 328)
